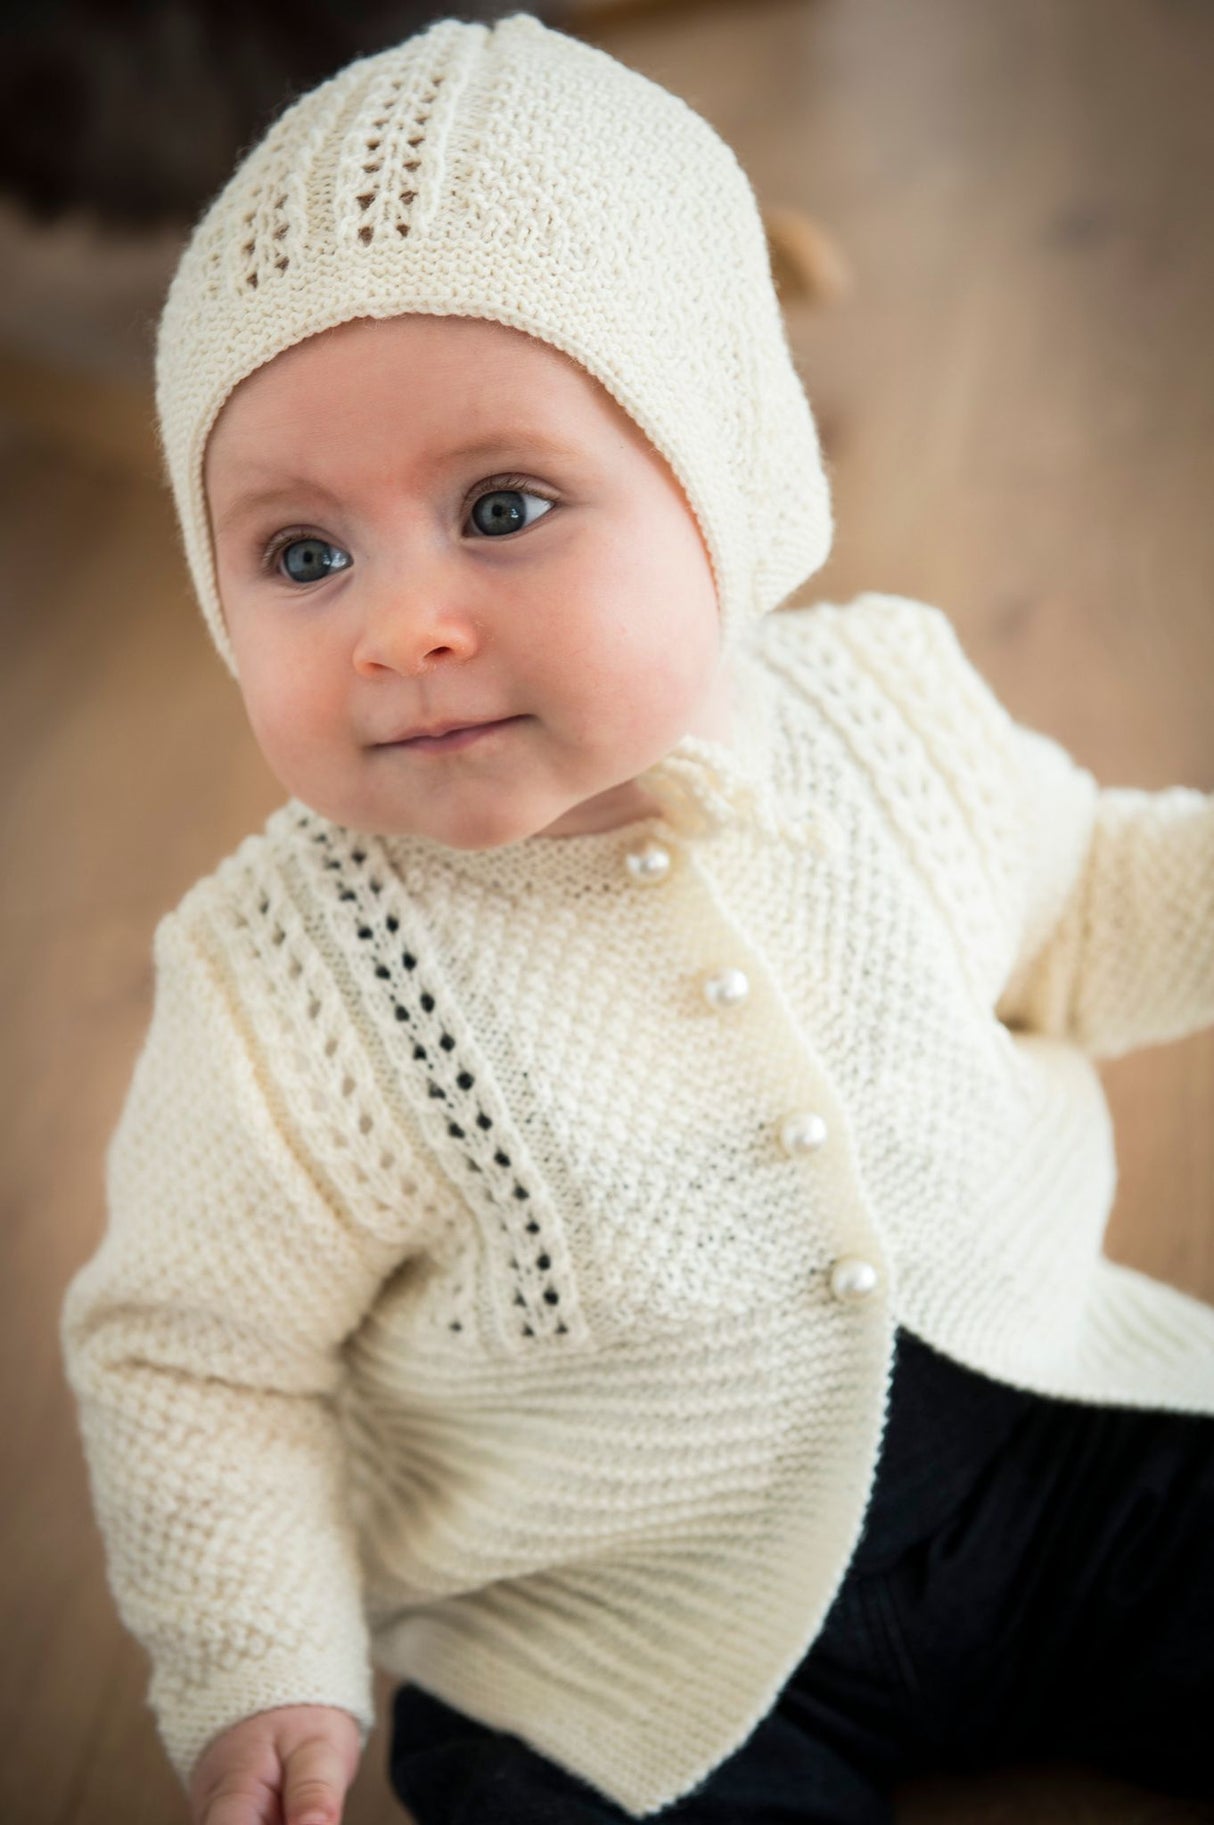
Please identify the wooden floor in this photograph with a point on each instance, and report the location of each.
(1018, 406)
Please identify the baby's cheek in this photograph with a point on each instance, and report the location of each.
(679, 662)
(287, 723)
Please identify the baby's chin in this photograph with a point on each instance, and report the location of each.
(487, 821)
(497, 825)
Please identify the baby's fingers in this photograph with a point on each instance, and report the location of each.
(314, 1785)
(238, 1798)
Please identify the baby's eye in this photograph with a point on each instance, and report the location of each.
(501, 510)
(308, 560)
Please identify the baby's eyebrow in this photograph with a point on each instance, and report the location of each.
(514, 443)
(517, 444)
(290, 489)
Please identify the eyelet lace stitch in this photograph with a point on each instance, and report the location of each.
(272, 221)
(274, 944)
(382, 155)
(542, 1302)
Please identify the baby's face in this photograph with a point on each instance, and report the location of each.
(430, 521)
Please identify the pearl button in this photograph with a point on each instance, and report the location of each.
(727, 989)
(851, 1277)
(802, 1133)
(649, 863)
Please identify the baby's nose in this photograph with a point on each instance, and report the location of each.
(410, 626)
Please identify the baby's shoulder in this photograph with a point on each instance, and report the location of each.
(872, 623)
(882, 653)
(265, 886)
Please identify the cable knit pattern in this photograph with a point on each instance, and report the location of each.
(462, 1308)
(438, 176)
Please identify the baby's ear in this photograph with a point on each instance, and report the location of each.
(807, 264)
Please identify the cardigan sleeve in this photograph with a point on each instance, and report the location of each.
(202, 1342)
(1104, 895)
(1115, 948)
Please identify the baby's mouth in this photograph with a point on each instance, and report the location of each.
(454, 739)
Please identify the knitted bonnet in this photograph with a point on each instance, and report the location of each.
(512, 172)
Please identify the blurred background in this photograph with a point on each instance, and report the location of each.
(993, 227)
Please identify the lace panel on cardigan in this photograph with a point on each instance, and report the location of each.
(533, 1264)
(359, 1158)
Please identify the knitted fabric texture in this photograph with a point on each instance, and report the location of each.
(514, 173)
(484, 1291)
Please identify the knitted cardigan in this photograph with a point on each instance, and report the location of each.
(505, 1248)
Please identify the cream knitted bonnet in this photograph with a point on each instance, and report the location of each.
(512, 172)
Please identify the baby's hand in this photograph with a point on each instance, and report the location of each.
(304, 1755)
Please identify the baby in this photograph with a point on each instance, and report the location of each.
(606, 1222)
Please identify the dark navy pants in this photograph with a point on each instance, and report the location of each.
(1035, 1582)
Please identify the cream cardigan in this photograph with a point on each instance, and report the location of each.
(505, 1249)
